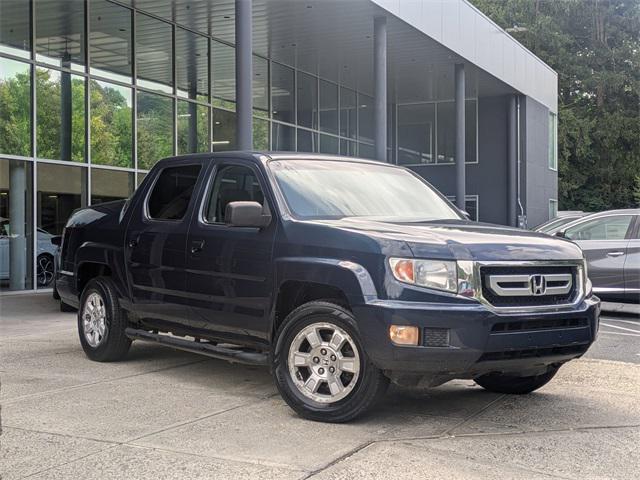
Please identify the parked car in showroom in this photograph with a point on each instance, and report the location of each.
(340, 274)
(44, 259)
(550, 227)
(611, 244)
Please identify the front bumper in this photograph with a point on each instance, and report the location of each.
(478, 340)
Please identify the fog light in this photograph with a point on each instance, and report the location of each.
(404, 335)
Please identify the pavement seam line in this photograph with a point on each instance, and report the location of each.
(474, 415)
(338, 460)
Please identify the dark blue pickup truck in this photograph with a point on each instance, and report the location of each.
(339, 274)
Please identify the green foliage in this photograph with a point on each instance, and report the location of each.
(15, 112)
(594, 45)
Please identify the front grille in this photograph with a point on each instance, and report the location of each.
(534, 353)
(436, 337)
(544, 324)
(519, 300)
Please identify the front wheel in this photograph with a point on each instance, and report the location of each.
(515, 385)
(321, 368)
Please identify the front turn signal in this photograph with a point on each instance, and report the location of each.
(404, 335)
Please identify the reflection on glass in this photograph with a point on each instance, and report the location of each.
(111, 118)
(60, 115)
(365, 118)
(110, 40)
(307, 100)
(16, 241)
(155, 128)
(192, 65)
(282, 94)
(283, 137)
(15, 107)
(416, 133)
(61, 189)
(260, 86)
(348, 148)
(154, 54)
(108, 185)
(348, 113)
(224, 130)
(223, 72)
(307, 141)
(193, 127)
(141, 177)
(447, 131)
(15, 28)
(260, 134)
(366, 151)
(329, 144)
(60, 33)
(328, 107)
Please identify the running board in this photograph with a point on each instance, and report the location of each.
(202, 348)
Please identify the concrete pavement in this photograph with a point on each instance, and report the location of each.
(167, 414)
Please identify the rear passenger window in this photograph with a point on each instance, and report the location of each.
(171, 193)
(232, 184)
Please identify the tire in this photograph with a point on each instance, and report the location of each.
(46, 271)
(66, 308)
(362, 383)
(515, 385)
(102, 335)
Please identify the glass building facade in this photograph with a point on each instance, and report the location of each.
(94, 92)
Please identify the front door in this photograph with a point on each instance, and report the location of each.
(632, 264)
(156, 243)
(230, 269)
(604, 241)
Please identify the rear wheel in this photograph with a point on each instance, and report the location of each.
(101, 322)
(45, 270)
(513, 384)
(321, 369)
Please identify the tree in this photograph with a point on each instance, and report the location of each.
(594, 45)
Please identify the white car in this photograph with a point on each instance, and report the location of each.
(46, 252)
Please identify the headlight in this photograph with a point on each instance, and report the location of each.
(438, 274)
(588, 286)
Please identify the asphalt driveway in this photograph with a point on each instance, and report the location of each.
(167, 414)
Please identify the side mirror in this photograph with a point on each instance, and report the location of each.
(246, 214)
(560, 233)
(466, 214)
(57, 240)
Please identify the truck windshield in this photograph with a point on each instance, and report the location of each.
(338, 189)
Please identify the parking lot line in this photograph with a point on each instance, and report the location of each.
(620, 328)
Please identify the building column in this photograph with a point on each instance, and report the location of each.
(244, 75)
(461, 190)
(65, 110)
(18, 218)
(380, 86)
(512, 163)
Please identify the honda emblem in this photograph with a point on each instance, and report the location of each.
(537, 284)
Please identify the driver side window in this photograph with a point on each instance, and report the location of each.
(608, 228)
(232, 183)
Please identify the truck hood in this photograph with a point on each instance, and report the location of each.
(463, 240)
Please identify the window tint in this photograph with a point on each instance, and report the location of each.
(171, 194)
(609, 228)
(232, 184)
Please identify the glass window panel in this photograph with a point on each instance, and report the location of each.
(283, 138)
(154, 54)
(365, 118)
(260, 134)
(366, 151)
(60, 115)
(329, 144)
(224, 130)
(446, 132)
(15, 28)
(416, 134)
(348, 113)
(171, 194)
(111, 119)
(60, 33)
(307, 141)
(155, 128)
(193, 127)
(307, 100)
(232, 184)
(108, 185)
(223, 72)
(15, 107)
(328, 107)
(110, 41)
(282, 93)
(471, 131)
(553, 141)
(16, 227)
(61, 189)
(141, 177)
(348, 148)
(260, 86)
(192, 65)
(608, 228)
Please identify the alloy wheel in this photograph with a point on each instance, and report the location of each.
(45, 270)
(94, 320)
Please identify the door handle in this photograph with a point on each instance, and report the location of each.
(197, 246)
(615, 254)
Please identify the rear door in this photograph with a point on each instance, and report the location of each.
(156, 243)
(230, 269)
(632, 264)
(604, 241)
